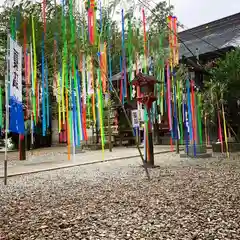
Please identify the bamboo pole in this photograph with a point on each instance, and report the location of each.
(7, 114)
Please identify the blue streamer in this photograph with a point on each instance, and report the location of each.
(74, 115)
(80, 102)
(170, 107)
(189, 110)
(134, 132)
(175, 110)
(78, 123)
(47, 99)
(185, 120)
(43, 91)
(146, 119)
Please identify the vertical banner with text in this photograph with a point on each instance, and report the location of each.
(15, 101)
(135, 119)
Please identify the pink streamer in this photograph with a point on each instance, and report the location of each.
(169, 97)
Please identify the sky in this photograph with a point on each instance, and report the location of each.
(192, 13)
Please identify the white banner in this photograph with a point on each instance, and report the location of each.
(15, 71)
(137, 117)
(16, 123)
(135, 120)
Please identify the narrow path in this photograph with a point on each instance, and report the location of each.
(56, 158)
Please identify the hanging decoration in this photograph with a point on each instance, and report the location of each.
(80, 72)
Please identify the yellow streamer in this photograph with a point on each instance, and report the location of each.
(100, 112)
(34, 69)
(225, 131)
(68, 129)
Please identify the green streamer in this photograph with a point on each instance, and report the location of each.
(64, 64)
(99, 92)
(73, 68)
(162, 72)
(12, 23)
(162, 90)
(158, 92)
(79, 129)
(179, 94)
(34, 72)
(161, 51)
(89, 108)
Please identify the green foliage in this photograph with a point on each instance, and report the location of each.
(224, 83)
(182, 74)
(227, 74)
(158, 18)
(26, 10)
(158, 32)
(58, 27)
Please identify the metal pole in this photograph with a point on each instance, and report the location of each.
(7, 114)
(130, 125)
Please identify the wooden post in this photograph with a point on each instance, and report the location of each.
(6, 119)
(150, 156)
(177, 146)
(7, 113)
(21, 147)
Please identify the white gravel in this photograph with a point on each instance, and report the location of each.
(194, 199)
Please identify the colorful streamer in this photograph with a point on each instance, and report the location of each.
(82, 80)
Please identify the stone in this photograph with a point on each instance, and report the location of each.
(115, 201)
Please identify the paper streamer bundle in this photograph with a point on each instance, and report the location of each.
(80, 71)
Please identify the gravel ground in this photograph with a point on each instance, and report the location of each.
(197, 199)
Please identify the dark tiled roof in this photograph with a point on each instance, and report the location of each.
(221, 34)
